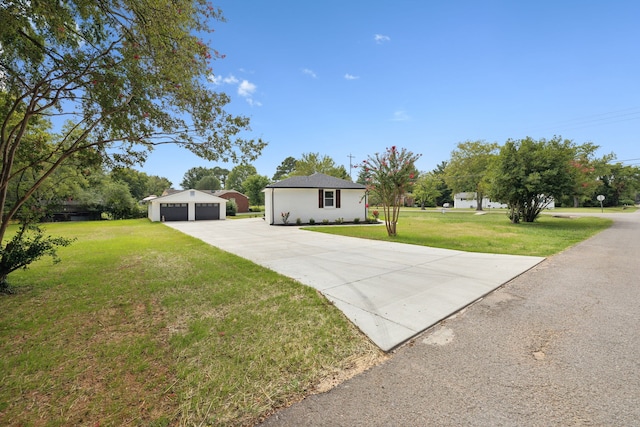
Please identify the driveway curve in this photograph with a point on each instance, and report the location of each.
(390, 291)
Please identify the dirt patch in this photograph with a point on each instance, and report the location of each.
(355, 366)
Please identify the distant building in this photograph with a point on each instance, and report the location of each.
(468, 201)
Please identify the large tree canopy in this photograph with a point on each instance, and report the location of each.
(126, 76)
(468, 168)
(528, 174)
(311, 163)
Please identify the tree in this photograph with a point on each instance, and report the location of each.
(285, 168)
(391, 175)
(467, 169)
(253, 187)
(193, 175)
(208, 182)
(156, 185)
(311, 163)
(125, 76)
(140, 184)
(529, 174)
(238, 175)
(619, 184)
(446, 194)
(117, 200)
(586, 170)
(426, 189)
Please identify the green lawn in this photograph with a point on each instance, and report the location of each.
(142, 325)
(491, 233)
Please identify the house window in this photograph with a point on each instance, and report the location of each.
(328, 199)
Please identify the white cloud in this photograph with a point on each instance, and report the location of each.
(216, 80)
(246, 89)
(400, 116)
(351, 77)
(309, 72)
(230, 79)
(379, 38)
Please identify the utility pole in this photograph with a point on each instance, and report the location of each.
(350, 165)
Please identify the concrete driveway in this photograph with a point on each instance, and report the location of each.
(391, 291)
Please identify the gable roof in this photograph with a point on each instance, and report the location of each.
(183, 196)
(317, 180)
(223, 192)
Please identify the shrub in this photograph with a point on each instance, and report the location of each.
(298, 221)
(232, 208)
(312, 221)
(339, 220)
(356, 220)
(325, 221)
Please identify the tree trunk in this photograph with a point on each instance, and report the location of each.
(479, 197)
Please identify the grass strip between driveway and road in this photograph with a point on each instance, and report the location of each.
(142, 325)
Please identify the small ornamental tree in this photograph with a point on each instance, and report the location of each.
(389, 177)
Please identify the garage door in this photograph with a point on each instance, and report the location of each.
(207, 211)
(174, 211)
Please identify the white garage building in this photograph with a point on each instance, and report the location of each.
(187, 205)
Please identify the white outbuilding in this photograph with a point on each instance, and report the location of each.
(187, 205)
(316, 197)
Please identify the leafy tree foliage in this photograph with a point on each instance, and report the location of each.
(391, 176)
(426, 189)
(140, 184)
(311, 163)
(125, 75)
(285, 168)
(446, 194)
(193, 175)
(27, 245)
(529, 174)
(468, 167)
(252, 188)
(586, 170)
(619, 184)
(238, 175)
(208, 182)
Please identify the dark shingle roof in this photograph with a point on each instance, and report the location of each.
(317, 180)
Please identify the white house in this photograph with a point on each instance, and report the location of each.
(468, 201)
(187, 205)
(318, 197)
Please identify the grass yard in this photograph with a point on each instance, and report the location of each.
(141, 325)
(491, 233)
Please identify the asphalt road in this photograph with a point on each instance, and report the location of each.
(557, 346)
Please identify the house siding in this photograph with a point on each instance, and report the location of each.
(305, 203)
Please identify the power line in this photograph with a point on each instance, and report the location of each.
(610, 117)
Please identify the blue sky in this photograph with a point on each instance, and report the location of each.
(347, 78)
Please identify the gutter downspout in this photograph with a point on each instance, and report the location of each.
(272, 211)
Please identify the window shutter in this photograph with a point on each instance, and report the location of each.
(337, 199)
(320, 198)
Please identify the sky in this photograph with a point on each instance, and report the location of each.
(348, 79)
